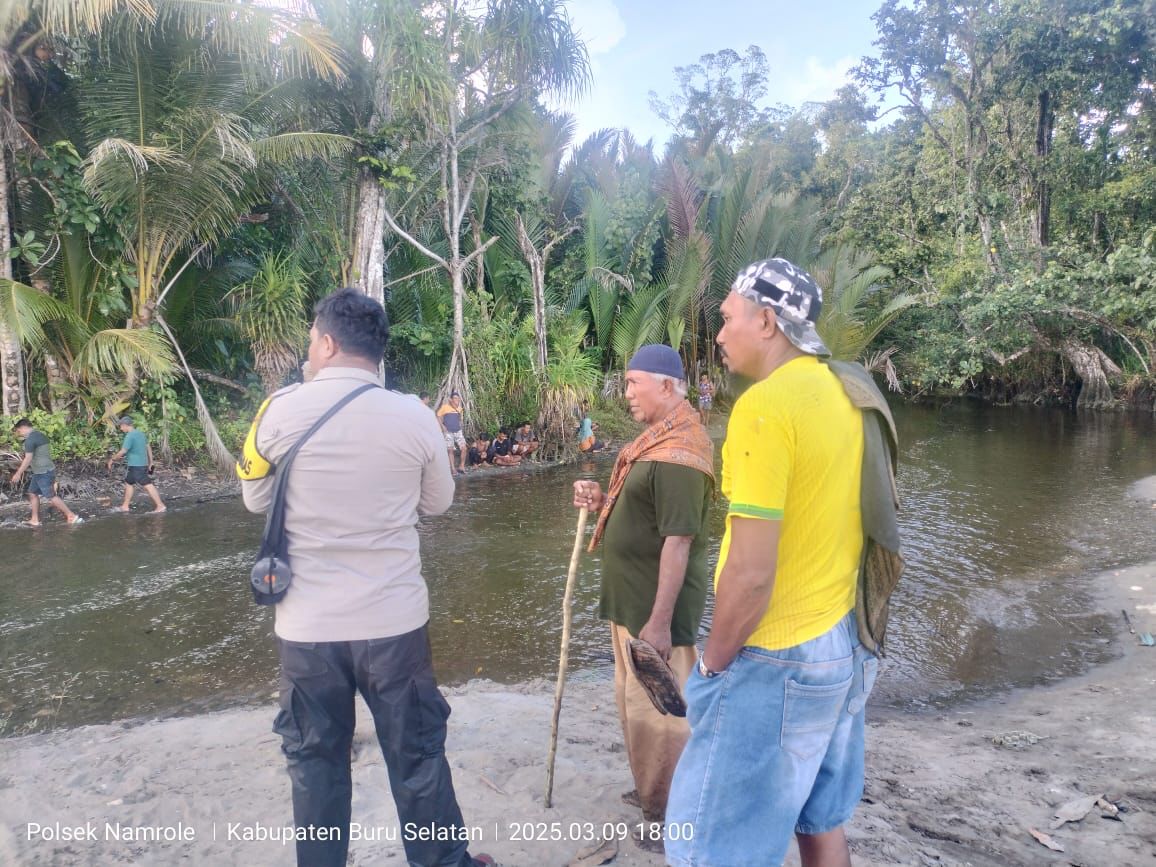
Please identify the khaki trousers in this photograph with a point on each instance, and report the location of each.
(654, 741)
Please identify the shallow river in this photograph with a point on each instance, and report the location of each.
(1007, 515)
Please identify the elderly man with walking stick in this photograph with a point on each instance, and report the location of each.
(653, 529)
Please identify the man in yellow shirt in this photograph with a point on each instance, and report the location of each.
(776, 701)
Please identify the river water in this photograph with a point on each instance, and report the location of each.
(1008, 513)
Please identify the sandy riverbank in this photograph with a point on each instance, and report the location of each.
(939, 791)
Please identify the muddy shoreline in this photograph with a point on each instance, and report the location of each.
(92, 490)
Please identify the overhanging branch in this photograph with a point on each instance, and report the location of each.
(398, 230)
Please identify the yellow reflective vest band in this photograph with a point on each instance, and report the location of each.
(253, 464)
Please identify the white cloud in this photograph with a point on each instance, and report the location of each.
(813, 82)
(598, 22)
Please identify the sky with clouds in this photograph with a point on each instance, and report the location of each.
(635, 45)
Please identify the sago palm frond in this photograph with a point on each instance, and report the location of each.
(258, 34)
(875, 325)
(270, 308)
(850, 280)
(550, 136)
(603, 298)
(683, 198)
(641, 321)
(26, 310)
(76, 276)
(123, 153)
(79, 17)
(123, 351)
(688, 274)
(298, 146)
(882, 362)
(596, 218)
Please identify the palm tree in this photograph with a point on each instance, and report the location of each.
(570, 379)
(180, 173)
(91, 348)
(395, 69)
(255, 34)
(852, 317)
(11, 354)
(270, 312)
(496, 60)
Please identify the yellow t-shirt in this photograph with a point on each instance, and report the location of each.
(793, 453)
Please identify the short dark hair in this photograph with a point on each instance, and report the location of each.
(355, 321)
(423, 395)
(504, 430)
(22, 423)
(484, 435)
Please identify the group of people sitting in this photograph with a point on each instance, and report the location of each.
(511, 445)
(504, 450)
(507, 449)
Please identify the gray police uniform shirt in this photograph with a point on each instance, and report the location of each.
(355, 493)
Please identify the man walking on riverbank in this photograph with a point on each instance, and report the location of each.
(355, 617)
(42, 474)
(138, 460)
(777, 696)
(653, 522)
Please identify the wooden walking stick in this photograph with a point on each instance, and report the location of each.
(564, 657)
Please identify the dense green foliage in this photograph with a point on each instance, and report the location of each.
(979, 206)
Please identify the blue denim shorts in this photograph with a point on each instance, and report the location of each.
(776, 747)
(43, 484)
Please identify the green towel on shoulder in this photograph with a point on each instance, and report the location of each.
(882, 561)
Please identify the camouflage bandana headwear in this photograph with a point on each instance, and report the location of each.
(794, 296)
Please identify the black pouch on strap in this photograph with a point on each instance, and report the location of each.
(272, 575)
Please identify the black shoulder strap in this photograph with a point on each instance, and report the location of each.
(273, 541)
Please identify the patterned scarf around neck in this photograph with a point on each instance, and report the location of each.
(678, 438)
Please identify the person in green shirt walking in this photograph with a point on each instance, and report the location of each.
(138, 458)
(42, 475)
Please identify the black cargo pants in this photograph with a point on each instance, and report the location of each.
(395, 677)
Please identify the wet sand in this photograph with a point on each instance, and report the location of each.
(939, 789)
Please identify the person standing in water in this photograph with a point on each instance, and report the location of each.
(138, 459)
(42, 475)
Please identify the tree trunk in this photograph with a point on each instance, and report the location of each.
(536, 260)
(480, 264)
(11, 353)
(369, 228)
(53, 372)
(1045, 119)
(218, 451)
(368, 237)
(538, 286)
(1088, 363)
(458, 375)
